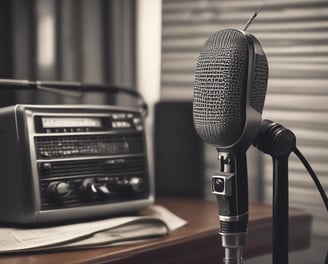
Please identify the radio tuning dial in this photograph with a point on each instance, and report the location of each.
(58, 191)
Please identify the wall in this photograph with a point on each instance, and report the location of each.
(148, 32)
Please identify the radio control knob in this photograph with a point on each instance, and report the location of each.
(58, 191)
(103, 189)
(88, 189)
(94, 189)
(137, 184)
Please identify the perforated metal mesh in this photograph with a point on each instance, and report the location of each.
(48, 147)
(260, 82)
(220, 87)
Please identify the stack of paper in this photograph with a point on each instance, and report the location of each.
(158, 222)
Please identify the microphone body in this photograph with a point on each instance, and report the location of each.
(230, 87)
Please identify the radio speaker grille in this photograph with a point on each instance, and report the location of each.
(49, 147)
(97, 167)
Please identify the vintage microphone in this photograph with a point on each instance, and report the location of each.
(230, 87)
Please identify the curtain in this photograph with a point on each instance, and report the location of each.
(67, 40)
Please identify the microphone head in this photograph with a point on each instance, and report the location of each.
(230, 87)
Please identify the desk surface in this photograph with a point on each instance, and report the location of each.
(197, 242)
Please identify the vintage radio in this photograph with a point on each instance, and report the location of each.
(71, 162)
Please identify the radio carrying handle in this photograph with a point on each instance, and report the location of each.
(73, 89)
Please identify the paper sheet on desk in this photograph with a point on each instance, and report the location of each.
(158, 222)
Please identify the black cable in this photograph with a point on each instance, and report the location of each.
(313, 175)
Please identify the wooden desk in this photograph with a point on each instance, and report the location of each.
(197, 242)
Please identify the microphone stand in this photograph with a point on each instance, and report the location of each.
(280, 211)
(279, 142)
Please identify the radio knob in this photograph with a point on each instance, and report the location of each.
(88, 189)
(58, 191)
(94, 189)
(137, 184)
(103, 189)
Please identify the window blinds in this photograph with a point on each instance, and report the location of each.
(294, 35)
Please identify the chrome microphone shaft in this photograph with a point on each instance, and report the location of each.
(233, 245)
(229, 185)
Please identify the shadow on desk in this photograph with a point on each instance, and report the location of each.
(197, 242)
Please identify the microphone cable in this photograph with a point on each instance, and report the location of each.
(314, 177)
(276, 140)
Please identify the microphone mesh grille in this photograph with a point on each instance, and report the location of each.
(220, 88)
(260, 82)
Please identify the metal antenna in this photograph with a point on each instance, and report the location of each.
(253, 17)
